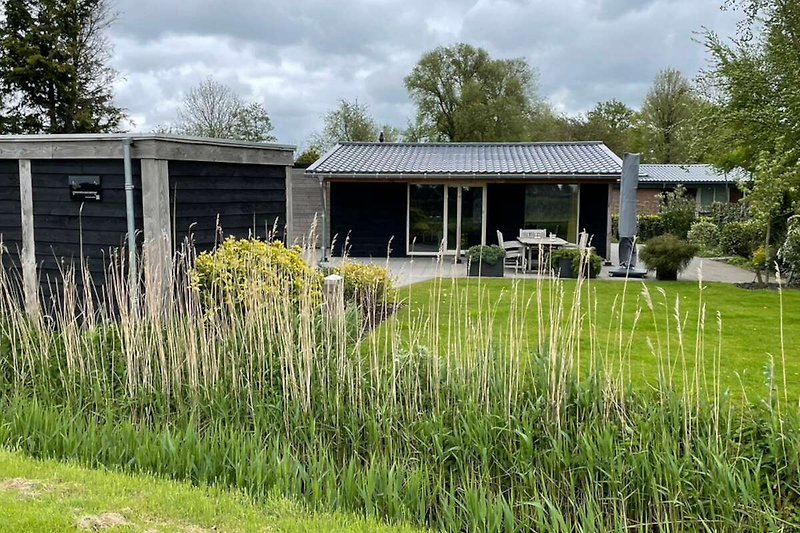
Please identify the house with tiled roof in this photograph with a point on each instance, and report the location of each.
(409, 199)
(704, 183)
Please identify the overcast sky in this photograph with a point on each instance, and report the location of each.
(299, 57)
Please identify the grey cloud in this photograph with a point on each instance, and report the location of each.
(298, 58)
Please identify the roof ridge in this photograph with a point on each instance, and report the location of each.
(471, 143)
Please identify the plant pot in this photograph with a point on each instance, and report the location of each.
(588, 272)
(565, 267)
(666, 275)
(486, 271)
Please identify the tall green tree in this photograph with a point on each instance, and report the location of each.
(462, 94)
(611, 122)
(348, 122)
(54, 72)
(667, 118)
(213, 109)
(755, 83)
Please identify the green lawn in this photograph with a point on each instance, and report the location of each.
(48, 496)
(750, 326)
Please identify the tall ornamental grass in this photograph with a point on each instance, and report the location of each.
(459, 426)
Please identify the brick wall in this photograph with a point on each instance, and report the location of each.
(646, 201)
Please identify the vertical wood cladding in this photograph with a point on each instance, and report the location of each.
(594, 215)
(10, 216)
(62, 225)
(244, 199)
(372, 214)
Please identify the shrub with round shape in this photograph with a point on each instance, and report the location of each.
(667, 255)
(704, 234)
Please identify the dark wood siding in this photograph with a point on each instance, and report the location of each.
(10, 219)
(505, 210)
(245, 199)
(594, 215)
(372, 214)
(60, 226)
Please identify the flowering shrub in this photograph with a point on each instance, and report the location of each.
(369, 286)
(240, 269)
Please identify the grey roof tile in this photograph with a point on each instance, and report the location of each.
(589, 158)
(688, 174)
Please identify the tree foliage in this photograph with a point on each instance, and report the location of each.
(462, 94)
(667, 118)
(213, 109)
(349, 122)
(54, 76)
(755, 83)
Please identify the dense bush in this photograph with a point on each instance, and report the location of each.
(789, 252)
(487, 254)
(592, 262)
(740, 238)
(367, 285)
(678, 212)
(649, 226)
(242, 269)
(726, 213)
(667, 255)
(704, 234)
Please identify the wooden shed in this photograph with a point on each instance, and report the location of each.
(66, 197)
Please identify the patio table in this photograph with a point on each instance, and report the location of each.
(533, 243)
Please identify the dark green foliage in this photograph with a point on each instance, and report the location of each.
(667, 254)
(649, 226)
(725, 213)
(53, 72)
(740, 238)
(308, 157)
(462, 94)
(487, 254)
(678, 212)
(704, 234)
(591, 262)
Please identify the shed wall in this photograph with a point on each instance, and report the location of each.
(307, 203)
(241, 200)
(10, 215)
(61, 226)
(370, 215)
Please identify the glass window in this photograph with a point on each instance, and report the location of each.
(553, 208)
(425, 217)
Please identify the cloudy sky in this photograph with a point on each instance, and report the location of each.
(299, 57)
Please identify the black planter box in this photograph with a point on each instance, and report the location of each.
(565, 268)
(486, 271)
(666, 276)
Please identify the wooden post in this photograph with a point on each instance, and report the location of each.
(334, 296)
(157, 247)
(290, 236)
(30, 280)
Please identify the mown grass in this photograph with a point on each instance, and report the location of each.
(751, 328)
(37, 496)
(451, 419)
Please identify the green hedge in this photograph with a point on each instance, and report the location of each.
(649, 226)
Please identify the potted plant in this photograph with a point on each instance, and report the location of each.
(667, 255)
(486, 261)
(566, 262)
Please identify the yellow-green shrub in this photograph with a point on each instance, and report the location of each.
(240, 269)
(366, 285)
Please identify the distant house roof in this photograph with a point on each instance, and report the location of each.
(388, 160)
(692, 174)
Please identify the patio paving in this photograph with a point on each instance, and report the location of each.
(409, 270)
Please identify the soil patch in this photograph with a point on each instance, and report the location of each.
(754, 286)
(25, 487)
(103, 521)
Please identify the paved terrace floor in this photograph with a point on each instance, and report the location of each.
(408, 270)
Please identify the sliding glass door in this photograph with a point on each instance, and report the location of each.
(451, 217)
